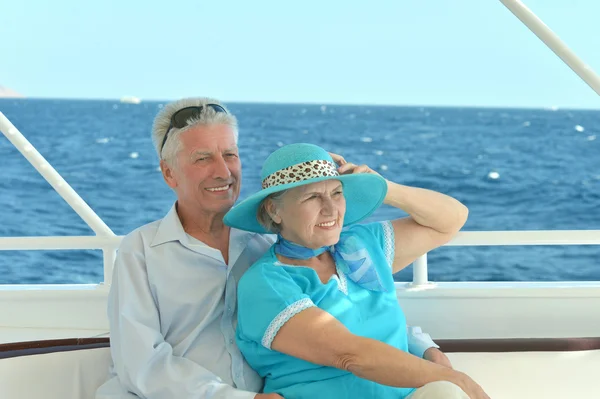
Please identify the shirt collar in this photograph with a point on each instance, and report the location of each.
(169, 229)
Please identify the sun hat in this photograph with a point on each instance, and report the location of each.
(299, 164)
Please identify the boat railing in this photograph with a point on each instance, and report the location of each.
(108, 242)
(551, 39)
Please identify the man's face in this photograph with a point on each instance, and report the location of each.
(208, 172)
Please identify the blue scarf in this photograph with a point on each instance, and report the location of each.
(349, 257)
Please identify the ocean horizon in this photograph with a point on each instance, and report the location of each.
(515, 168)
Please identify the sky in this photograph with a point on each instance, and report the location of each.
(428, 52)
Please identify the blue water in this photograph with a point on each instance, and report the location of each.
(547, 169)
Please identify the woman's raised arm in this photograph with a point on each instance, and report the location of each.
(434, 218)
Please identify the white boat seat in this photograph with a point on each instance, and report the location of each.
(533, 375)
(38, 370)
(59, 375)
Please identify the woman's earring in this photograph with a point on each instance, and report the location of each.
(276, 218)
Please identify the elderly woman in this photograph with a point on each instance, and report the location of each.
(318, 315)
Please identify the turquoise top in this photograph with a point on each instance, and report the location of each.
(270, 293)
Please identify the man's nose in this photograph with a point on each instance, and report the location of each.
(221, 170)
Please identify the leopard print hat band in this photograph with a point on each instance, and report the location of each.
(300, 172)
(299, 164)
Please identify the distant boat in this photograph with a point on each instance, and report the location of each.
(5, 92)
(130, 100)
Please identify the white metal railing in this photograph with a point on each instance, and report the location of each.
(532, 237)
(64, 190)
(462, 239)
(109, 244)
(506, 238)
(545, 34)
(107, 241)
(51, 175)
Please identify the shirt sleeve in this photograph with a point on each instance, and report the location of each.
(379, 236)
(143, 361)
(418, 341)
(267, 298)
(372, 243)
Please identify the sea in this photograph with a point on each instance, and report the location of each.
(516, 169)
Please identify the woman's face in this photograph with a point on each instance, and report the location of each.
(312, 215)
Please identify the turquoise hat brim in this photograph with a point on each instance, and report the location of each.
(364, 193)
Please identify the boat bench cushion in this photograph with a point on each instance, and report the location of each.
(59, 375)
(529, 375)
(75, 374)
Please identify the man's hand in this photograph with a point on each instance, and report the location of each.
(471, 388)
(437, 356)
(268, 396)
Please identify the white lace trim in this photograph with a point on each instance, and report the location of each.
(388, 242)
(282, 318)
(342, 281)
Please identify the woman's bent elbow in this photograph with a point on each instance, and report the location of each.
(347, 362)
(463, 215)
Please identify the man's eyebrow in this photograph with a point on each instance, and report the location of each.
(208, 152)
(203, 152)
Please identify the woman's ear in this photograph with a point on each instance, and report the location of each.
(272, 211)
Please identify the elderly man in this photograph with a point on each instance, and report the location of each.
(172, 303)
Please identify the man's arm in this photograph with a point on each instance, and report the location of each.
(418, 341)
(144, 362)
(437, 356)
(421, 345)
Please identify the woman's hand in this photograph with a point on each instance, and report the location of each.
(268, 396)
(437, 356)
(337, 159)
(348, 168)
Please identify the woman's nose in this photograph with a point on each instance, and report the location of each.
(328, 206)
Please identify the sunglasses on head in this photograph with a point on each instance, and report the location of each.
(180, 118)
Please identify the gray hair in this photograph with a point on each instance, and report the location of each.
(263, 216)
(206, 118)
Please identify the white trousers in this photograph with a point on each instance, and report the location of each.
(439, 390)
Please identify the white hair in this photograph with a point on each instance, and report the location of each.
(207, 117)
(262, 215)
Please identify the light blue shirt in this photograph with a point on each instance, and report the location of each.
(172, 310)
(172, 314)
(270, 293)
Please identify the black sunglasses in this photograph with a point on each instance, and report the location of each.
(180, 118)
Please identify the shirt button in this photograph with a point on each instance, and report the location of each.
(231, 341)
